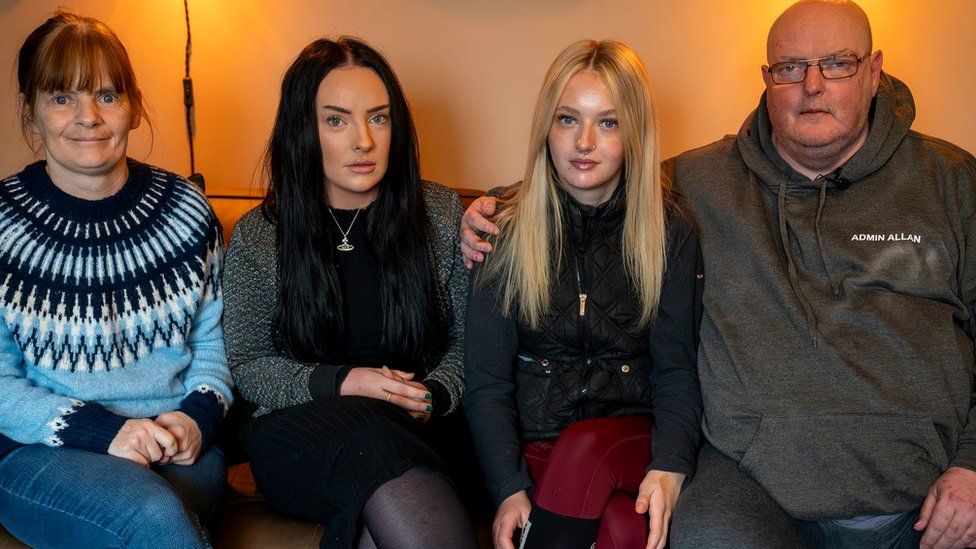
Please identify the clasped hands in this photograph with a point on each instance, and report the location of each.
(393, 386)
(173, 437)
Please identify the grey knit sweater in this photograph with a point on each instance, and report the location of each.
(267, 378)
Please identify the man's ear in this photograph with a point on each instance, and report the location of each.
(767, 78)
(877, 59)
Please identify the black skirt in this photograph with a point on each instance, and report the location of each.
(321, 461)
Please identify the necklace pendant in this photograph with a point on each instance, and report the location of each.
(345, 246)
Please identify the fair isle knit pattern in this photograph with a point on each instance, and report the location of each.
(104, 304)
(54, 264)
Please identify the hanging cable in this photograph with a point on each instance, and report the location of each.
(188, 103)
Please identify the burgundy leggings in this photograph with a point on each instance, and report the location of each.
(593, 471)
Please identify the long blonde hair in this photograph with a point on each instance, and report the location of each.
(529, 247)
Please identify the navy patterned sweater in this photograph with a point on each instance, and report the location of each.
(109, 309)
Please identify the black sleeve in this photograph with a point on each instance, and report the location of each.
(675, 392)
(441, 396)
(489, 398)
(326, 380)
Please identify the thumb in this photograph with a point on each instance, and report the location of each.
(643, 501)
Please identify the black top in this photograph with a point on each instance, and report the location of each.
(360, 276)
(265, 376)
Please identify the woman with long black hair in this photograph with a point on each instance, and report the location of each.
(345, 297)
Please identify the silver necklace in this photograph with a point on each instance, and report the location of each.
(344, 246)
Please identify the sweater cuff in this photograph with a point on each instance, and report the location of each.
(206, 409)
(325, 380)
(7, 445)
(671, 463)
(965, 457)
(442, 398)
(517, 482)
(88, 426)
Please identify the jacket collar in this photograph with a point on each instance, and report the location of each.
(576, 211)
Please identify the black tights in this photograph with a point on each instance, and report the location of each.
(417, 509)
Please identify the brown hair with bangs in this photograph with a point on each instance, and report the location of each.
(71, 52)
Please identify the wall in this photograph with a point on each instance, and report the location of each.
(471, 69)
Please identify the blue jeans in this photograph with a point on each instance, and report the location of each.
(57, 497)
(897, 534)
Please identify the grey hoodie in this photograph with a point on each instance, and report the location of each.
(836, 356)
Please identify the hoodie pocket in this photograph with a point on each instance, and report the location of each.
(842, 465)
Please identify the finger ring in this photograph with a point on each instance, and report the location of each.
(389, 395)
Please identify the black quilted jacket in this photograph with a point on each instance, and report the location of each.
(586, 360)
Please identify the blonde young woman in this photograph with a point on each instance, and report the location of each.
(582, 391)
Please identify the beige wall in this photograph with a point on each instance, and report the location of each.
(471, 69)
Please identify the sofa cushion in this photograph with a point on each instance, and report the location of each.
(245, 519)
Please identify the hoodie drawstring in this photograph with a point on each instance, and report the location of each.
(824, 254)
(791, 266)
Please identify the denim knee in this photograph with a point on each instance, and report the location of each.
(162, 519)
(48, 495)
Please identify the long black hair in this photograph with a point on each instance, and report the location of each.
(309, 318)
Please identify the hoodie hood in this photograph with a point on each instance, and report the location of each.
(891, 117)
(892, 114)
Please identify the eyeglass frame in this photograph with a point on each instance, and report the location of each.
(816, 62)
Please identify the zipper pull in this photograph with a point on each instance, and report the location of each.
(582, 311)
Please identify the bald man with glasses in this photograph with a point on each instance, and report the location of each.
(837, 352)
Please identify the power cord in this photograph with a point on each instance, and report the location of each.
(195, 177)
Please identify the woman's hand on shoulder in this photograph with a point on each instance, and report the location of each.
(512, 513)
(144, 442)
(189, 439)
(656, 496)
(393, 386)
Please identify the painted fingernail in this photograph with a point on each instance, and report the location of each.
(428, 396)
(420, 417)
(429, 408)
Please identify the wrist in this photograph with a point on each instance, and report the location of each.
(517, 497)
(345, 386)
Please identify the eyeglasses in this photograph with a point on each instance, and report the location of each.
(832, 67)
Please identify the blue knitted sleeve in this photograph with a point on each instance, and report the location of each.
(208, 378)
